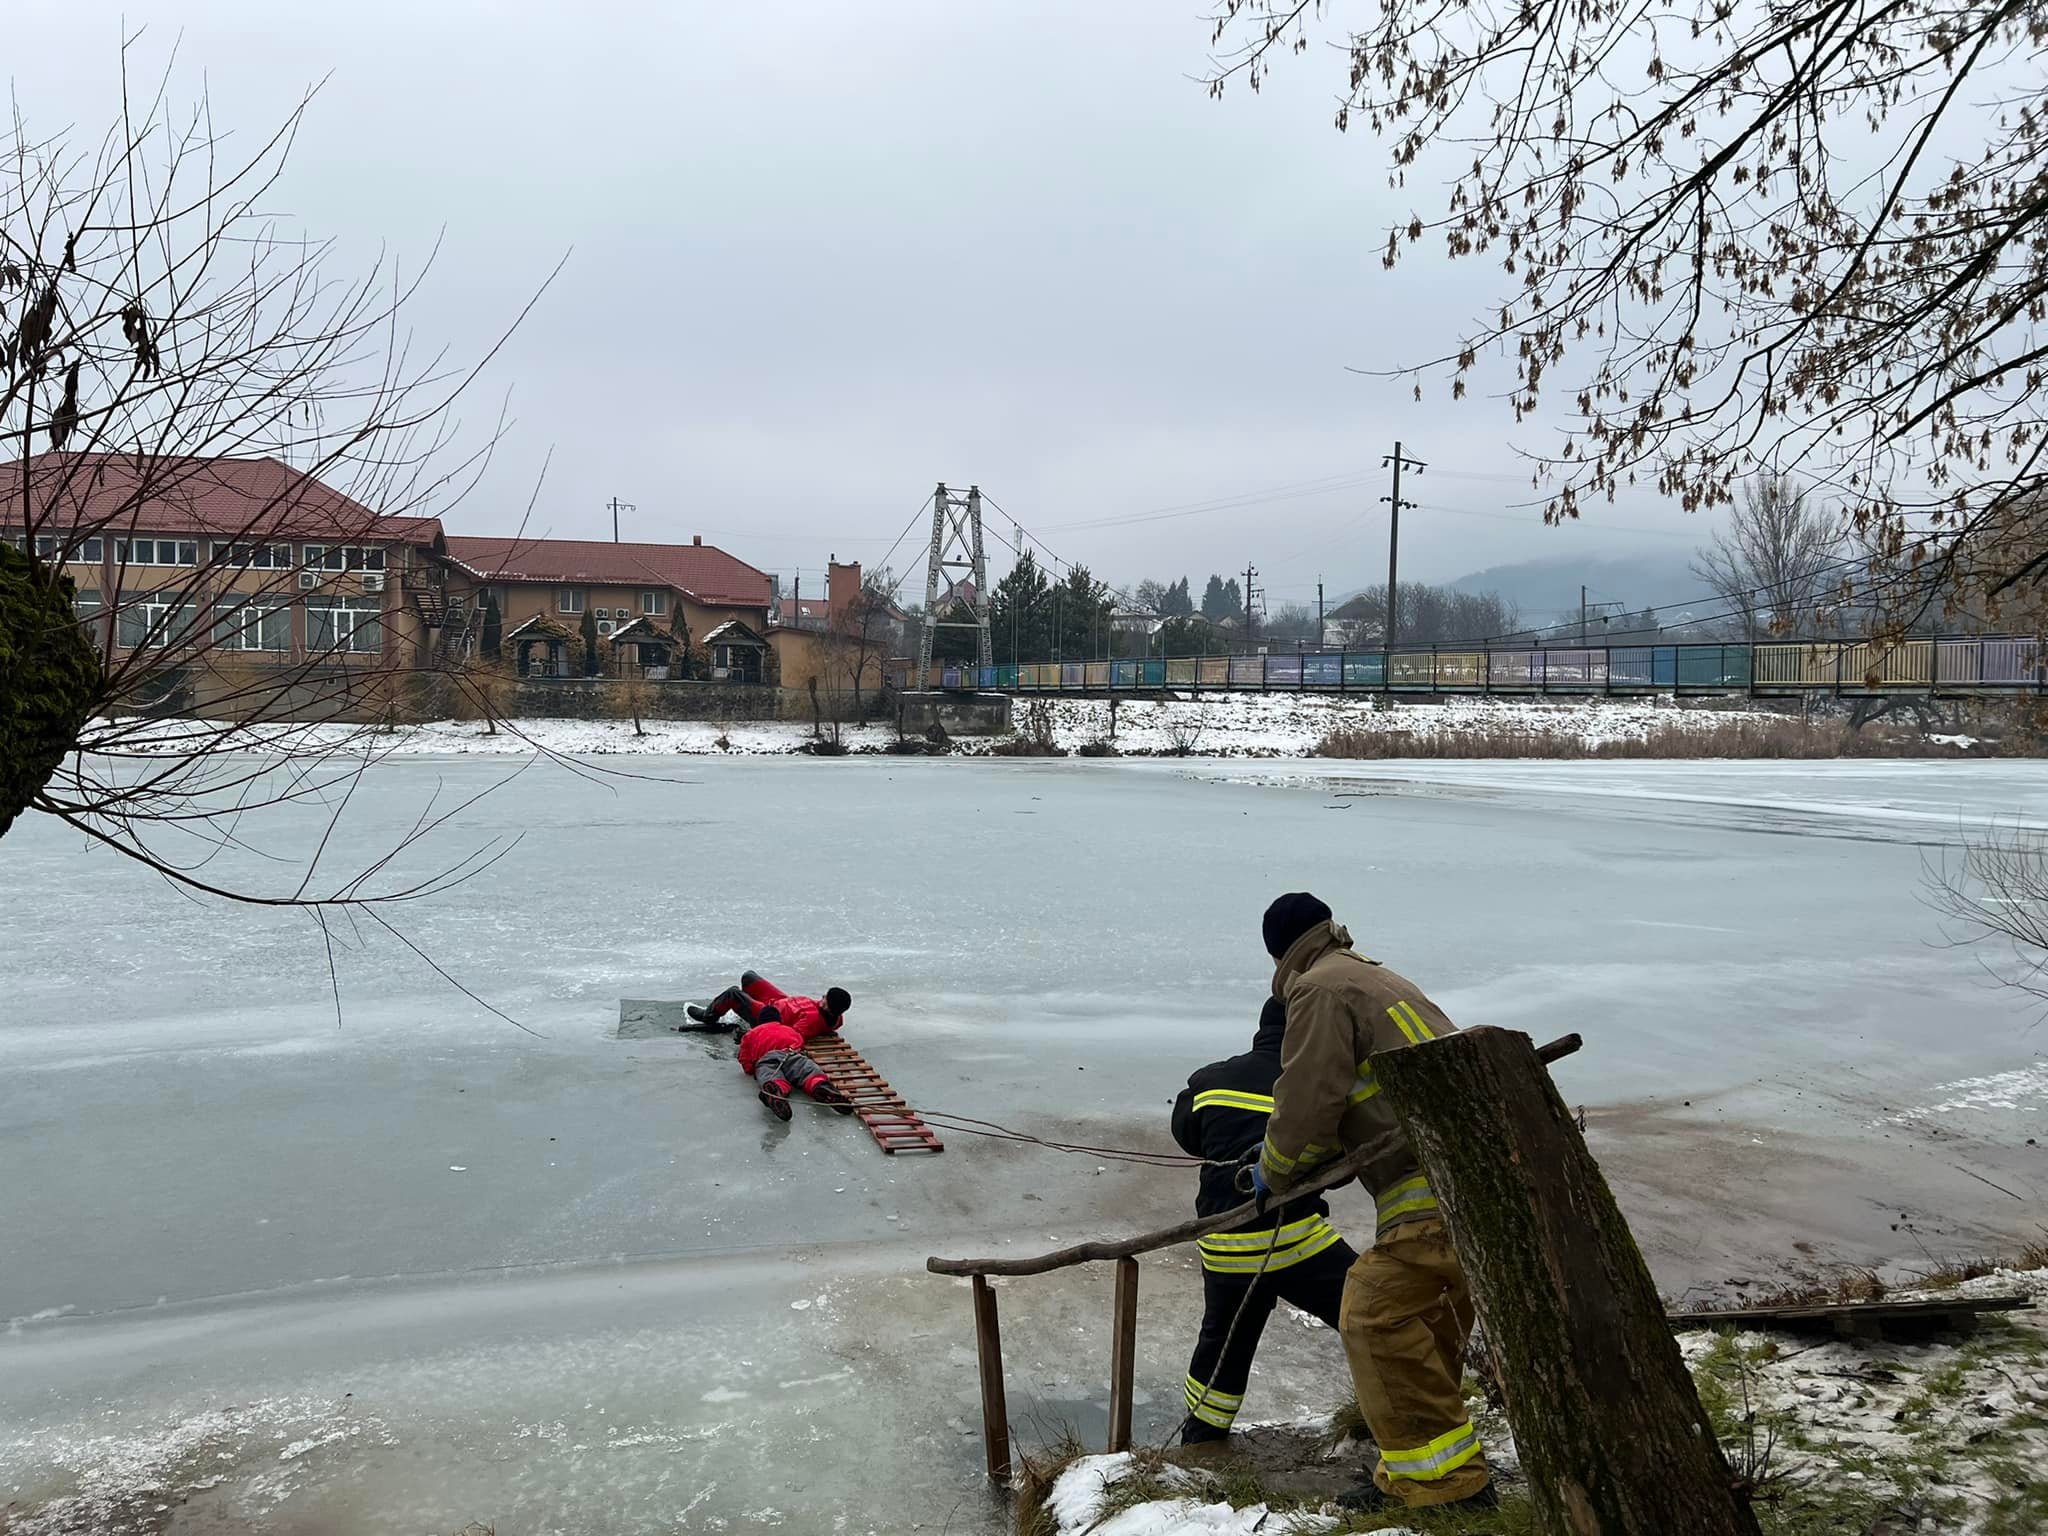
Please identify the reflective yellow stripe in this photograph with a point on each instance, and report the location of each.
(1285, 1258)
(1410, 1023)
(1368, 1084)
(1252, 1260)
(1211, 1406)
(1293, 1232)
(1230, 1098)
(1443, 1455)
(1404, 1198)
(1275, 1160)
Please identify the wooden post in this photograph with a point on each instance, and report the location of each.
(995, 1410)
(1123, 1354)
(1610, 1430)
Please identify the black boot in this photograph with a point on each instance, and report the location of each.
(748, 978)
(777, 1101)
(825, 1093)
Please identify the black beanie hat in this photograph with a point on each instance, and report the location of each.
(837, 1000)
(1289, 918)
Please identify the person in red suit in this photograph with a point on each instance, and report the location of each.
(776, 1028)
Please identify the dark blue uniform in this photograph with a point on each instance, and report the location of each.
(1221, 1116)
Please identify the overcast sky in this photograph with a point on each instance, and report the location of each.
(824, 255)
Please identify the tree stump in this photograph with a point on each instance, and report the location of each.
(1610, 1430)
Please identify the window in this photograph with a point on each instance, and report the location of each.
(314, 554)
(156, 551)
(154, 618)
(569, 599)
(336, 624)
(654, 604)
(333, 558)
(360, 557)
(86, 604)
(253, 626)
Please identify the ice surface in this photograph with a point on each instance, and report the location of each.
(221, 1199)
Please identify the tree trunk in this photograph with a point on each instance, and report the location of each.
(1606, 1420)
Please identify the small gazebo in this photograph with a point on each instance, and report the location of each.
(553, 640)
(736, 653)
(640, 649)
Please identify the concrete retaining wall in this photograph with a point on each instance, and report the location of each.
(962, 714)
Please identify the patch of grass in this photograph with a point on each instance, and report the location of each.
(1347, 1423)
(1515, 1517)
(2021, 1508)
(1036, 1474)
(1948, 1273)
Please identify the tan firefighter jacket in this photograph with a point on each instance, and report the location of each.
(1341, 1009)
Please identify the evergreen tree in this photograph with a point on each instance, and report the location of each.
(1222, 600)
(1021, 614)
(1177, 604)
(494, 628)
(1081, 613)
(956, 645)
(1189, 634)
(590, 664)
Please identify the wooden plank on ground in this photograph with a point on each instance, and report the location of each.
(1920, 1312)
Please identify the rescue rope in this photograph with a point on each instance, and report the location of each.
(968, 1125)
(1230, 1333)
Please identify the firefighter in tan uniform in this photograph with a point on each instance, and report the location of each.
(1407, 1315)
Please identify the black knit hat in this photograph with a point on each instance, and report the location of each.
(837, 1000)
(1289, 918)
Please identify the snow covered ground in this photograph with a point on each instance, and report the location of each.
(1218, 725)
(1947, 1435)
(559, 1281)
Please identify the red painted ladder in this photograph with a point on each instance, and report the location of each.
(893, 1123)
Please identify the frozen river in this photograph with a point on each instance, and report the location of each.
(414, 1267)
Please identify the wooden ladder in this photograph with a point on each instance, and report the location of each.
(895, 1126)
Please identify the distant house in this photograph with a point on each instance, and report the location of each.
(648, 600)
(962, 591)
(247, 557)
(802, 637)
(1135, 620)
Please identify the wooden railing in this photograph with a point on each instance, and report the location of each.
(1123, 1252)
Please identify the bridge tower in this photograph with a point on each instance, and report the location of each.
(955, 547)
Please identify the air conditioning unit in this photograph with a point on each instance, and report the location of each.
(604, 626)
(308, 580)
(373, 581)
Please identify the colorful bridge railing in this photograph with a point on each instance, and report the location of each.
(1997, 663)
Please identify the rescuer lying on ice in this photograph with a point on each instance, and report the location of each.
(1221, 1116)
(1407, 1313)
(777, 1026)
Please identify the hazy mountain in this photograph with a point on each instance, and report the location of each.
(1548, 590)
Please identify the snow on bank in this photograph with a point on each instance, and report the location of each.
(1951, 1431)
(1089, 1483)
(1222, 725)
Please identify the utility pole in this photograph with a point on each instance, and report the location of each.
(1582, 615)
(1250, 573)
(1319, 613)
(617, 506)
(1394, 539)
